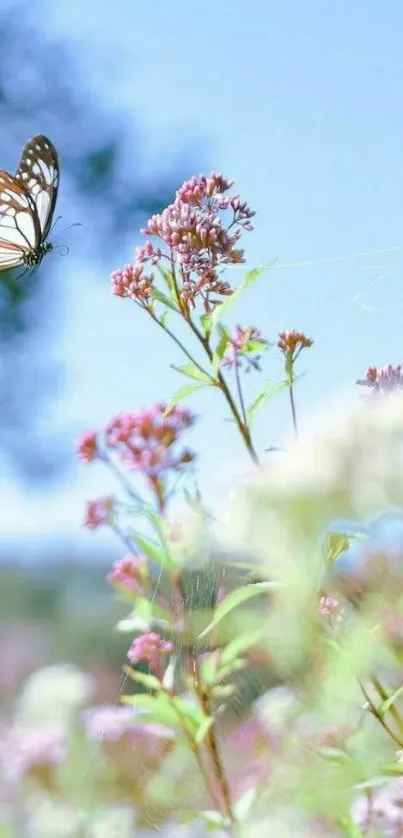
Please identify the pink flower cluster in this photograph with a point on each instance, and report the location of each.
(199, 240)
(26, 751)
(145, 439)
(129, 573)
(383, 381)
(327, 605)
(87, 446)
(131, 281)
(243, 346)
(98, 512)
(109, 724)
(152, 649)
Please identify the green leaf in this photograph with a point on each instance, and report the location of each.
(205, 320)
(162, 298)
(221, 348)
(336, 543)
(237, 597)
(167, 277)
(193, 371)
(156, 552)
(190, 712)
(221, 310)
(268, 390)
(240, 645)
(158, 708)
(203, 730)
(245, 803)
(164, 318)
(223, 691)
(388, 703)
(151, 682)
(352, 830)
(181, 394)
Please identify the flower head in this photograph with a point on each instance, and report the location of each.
(383, 381)
(87, 446)
(131, 281)
(147, 440)
(110, 723)
(129, 573)
(98, 512)
(327, 605)
(28, 751)
(244, 344)
(150, 648)
(291, 343)
(200, 238)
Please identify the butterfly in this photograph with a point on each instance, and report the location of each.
(27, 205)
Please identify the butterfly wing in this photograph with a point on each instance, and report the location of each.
(18, 224)
(39, 174)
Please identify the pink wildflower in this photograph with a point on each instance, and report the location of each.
(292, 343)
(25, 752)
(199, 239)
(327, 605)
(130, 281)
(150, 648)
(87, 446)
(146, 440)
(243, 344)
(129, 573)
(98, 512)
(383, 381)
(109, 723)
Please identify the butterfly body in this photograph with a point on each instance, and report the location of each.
(27, 205)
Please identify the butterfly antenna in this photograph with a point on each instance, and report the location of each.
(59, 218)
(63, 249)
(76, 224)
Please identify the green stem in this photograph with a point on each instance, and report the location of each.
(122, 479)
(375, 712)
(212, 745)
(180, 345)
(222, 384)
(293, 410)
(384, 696)
(240, 394)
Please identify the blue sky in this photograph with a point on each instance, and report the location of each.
(302, 105)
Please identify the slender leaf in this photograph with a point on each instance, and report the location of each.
(151, 682)
(337, 543)
(221, 348)
(239, 645)
(167, 277)
(388, 703)
(269, 389)
(205, 320)
(158, 708)
(238, 597)
(193, 371)
(245, 803)
(156, 552)
(183, 393)
(164, 299)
